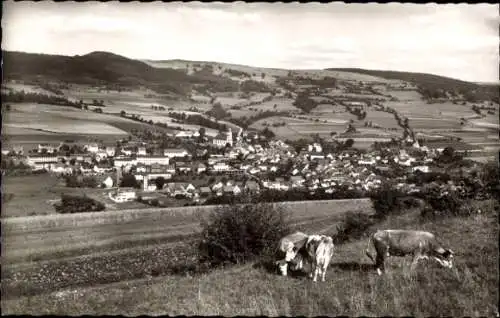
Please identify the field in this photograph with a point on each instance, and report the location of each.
(113, 246)
(34, 195)
(123, 282)
(419, 123)
(25, 87)
(56, 119)
(383, 119)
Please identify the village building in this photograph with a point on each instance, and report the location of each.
(141, 151)
(187, 134)
(222, 139)
(149, 160)
(47, 148)
(93, 147)
(42, 162)
(108, 182)
(175, 152)
(122, 195)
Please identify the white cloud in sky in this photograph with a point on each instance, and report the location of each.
(460, 41)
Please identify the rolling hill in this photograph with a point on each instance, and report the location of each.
(431, 81)
(101, 68)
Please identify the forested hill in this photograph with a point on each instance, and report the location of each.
(101, 68)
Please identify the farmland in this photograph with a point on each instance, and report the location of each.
(35, 194)
(30, 124)
(135, 281)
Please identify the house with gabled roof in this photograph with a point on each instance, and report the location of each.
(205, 191)
(175, 152)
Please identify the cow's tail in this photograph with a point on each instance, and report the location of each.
(367, 250)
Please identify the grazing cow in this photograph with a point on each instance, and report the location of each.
(320, 251)
(288, 249)
(421, 245)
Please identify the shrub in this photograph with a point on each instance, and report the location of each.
(128, 180)
(443, 205)
(385, 201)
(490, 178)
(74, 181)
(76, 204)
(236, 234)
(354, 226)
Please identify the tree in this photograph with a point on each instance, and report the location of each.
(275, 106)
(349, 143)
(263, 75)
(448, 152)
(202, 132)
(128, 180)
(123, 113)
(268, 133)
(160, 182)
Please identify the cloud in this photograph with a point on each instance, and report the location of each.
(455, 40)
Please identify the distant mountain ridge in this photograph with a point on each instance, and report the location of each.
(105, 68)
(491, 91)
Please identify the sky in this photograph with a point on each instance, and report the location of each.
(455, 40)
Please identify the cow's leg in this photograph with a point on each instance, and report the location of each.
(316, 272)
(283, 268)
(416, 258)
(323, 274)
(379, 263)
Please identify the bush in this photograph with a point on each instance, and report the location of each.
(354, 226)
(385, 201)
(490, 179)
(76, 204)
(74, 181)
(237, 234)
(443, 204)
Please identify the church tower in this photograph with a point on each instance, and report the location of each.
(229, 138)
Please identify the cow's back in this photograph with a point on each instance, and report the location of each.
(404, 241)
(294, 238)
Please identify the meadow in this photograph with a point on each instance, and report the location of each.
(352, 287)
(31, 195)
(113, 246)
(64, 120)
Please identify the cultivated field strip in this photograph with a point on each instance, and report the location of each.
(160, 225)
(45, 222)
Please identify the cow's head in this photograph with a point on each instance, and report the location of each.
(444, 257)
(291, 252)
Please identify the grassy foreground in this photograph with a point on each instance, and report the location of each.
(352, 287)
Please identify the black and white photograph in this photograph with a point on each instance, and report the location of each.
(250, 159)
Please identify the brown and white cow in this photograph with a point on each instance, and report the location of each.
(288, 250)
(420, 244)
(320, 251)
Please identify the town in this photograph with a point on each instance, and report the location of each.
(232, 164)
